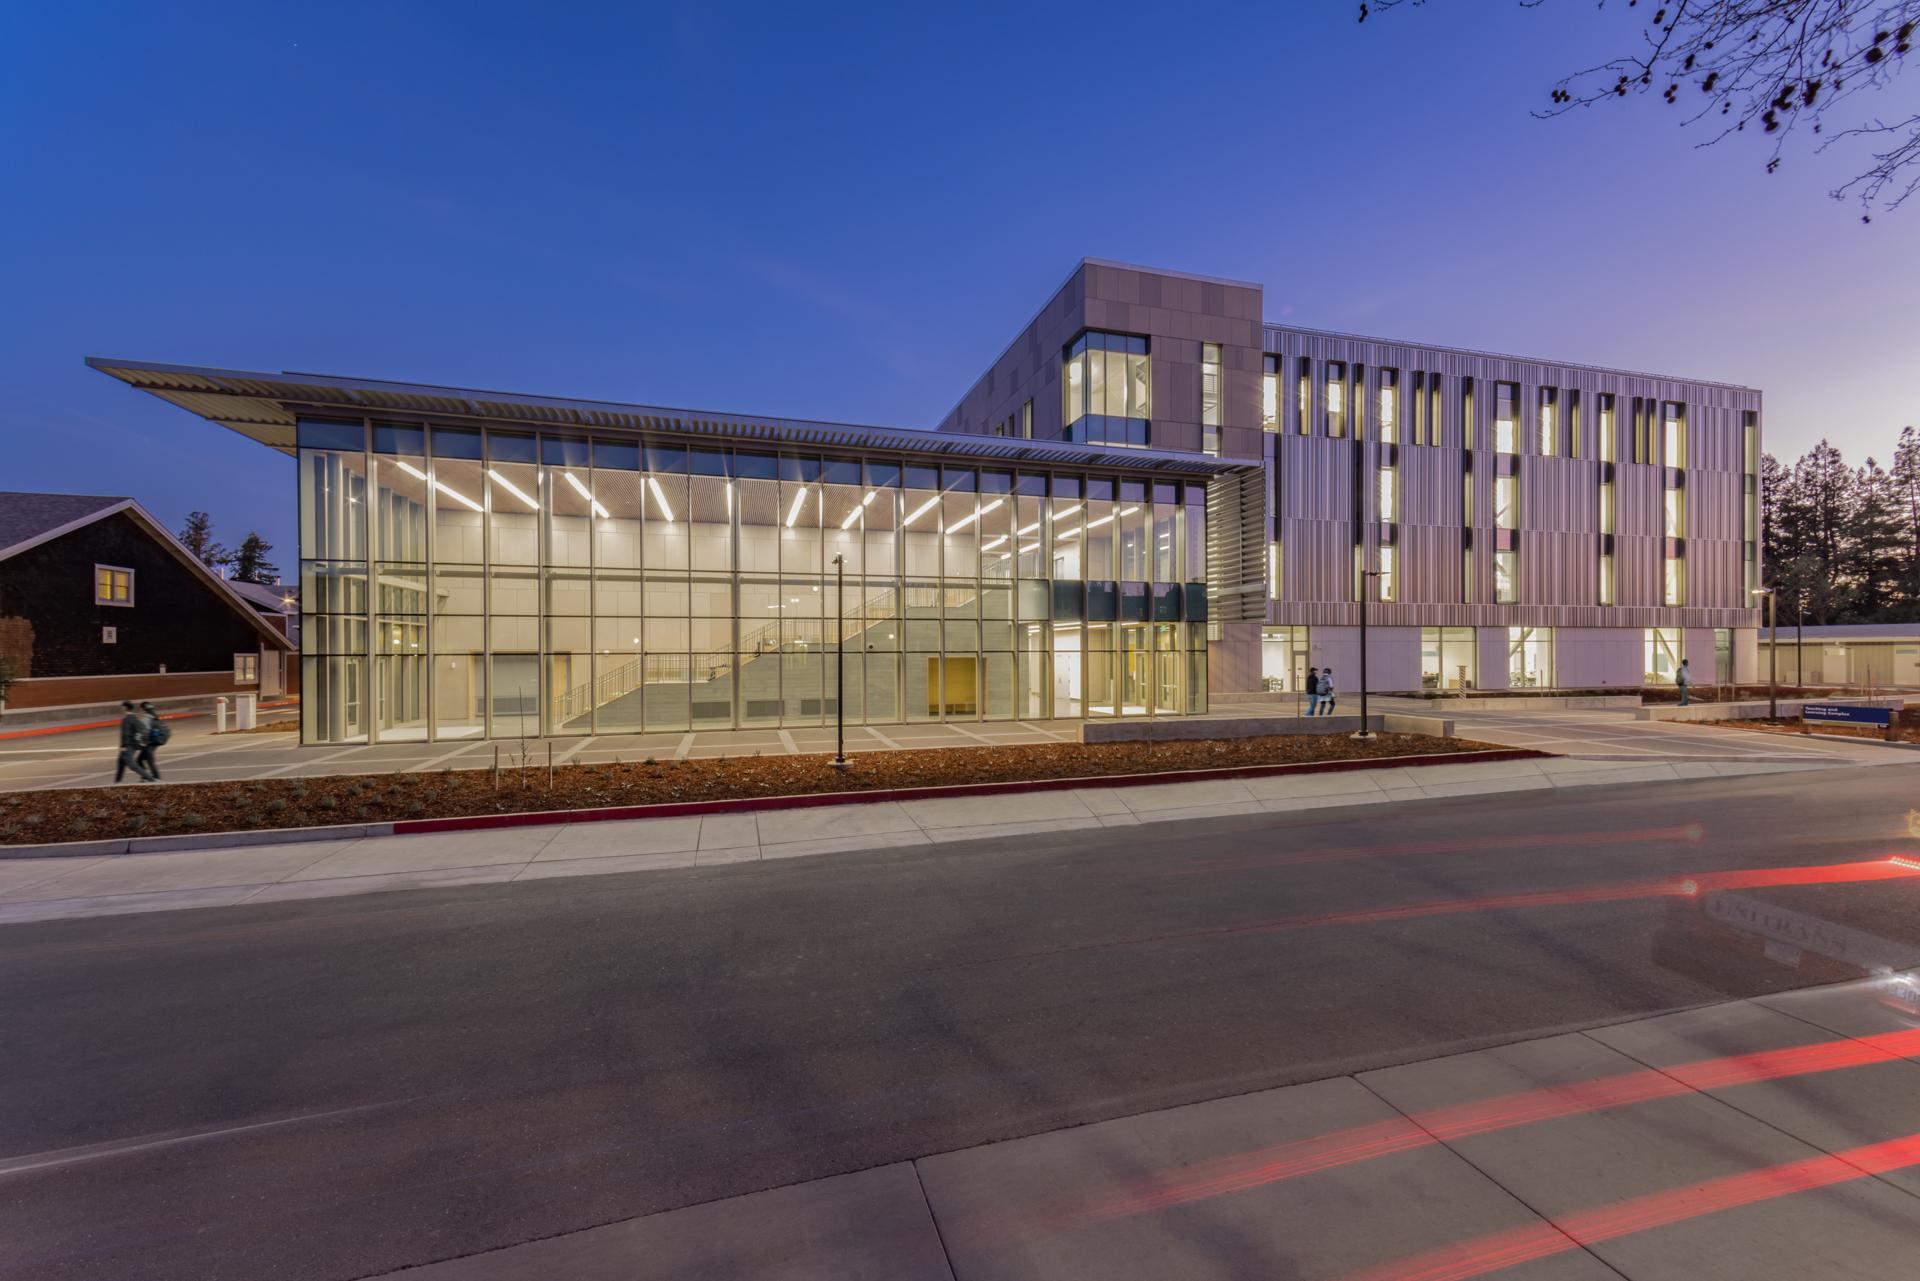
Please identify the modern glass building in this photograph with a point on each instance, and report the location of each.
(1151, 498)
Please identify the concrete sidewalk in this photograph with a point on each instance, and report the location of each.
(1750, 1141)
(38, 889)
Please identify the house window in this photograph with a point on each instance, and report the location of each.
(246, 669)
(112, 585)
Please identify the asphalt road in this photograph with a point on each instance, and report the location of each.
(339, 1087)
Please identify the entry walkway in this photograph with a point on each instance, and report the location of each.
(37, 889)
(1768, 1140)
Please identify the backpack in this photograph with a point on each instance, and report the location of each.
(157, 732)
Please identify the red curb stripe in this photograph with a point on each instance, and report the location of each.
(811, 800)
(165, 716)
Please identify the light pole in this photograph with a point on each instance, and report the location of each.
(1773, 649)
(1365, 587)
(840, 663)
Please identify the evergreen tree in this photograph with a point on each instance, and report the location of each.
(197, 534)
(250, 563)
(1824, 485)
(1905, 476)
(1874, 546)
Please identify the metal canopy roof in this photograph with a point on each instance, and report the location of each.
(263, 407)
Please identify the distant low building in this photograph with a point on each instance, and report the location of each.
(278, 603)
(98, 603)
(1886, 655)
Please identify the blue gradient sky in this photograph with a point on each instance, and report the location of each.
(845, 215)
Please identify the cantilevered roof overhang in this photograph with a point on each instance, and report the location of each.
(264, 407)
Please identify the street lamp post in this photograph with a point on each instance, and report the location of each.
(1365, 732)
(840, 663)
(1773, 650)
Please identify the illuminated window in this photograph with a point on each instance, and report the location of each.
(1210, 392)
(1529, 657)
(1273, 571)
(1469, 437)
(1675, 509)
(1336, 398)
(1673, 435)
(1573, 422)
(1506, 502)
(1447, 657)
(112, 585)
(1270, 395)
(1603, 406)
(1107, 382)
(1389, 494)
(1663, 654)
(1389, 580)
(1506, 577)
(1549, 424)
(246, 669)
(1607, 511)
(1606, 578)
(1389, 405)
(1417, 409)
(1304, 393)
(1675, 581)
(1506, 421)
(1436, 413)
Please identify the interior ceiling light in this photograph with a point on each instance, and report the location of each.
(512, 488)
(799, 501)
(659, 496)
(585, 493)
(921, 510)
(448, 490)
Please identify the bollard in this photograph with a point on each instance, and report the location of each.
(244, 711)
(219, 715)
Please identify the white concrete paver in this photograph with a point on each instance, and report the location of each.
(44, 889)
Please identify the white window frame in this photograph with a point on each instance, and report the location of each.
(98, 599)
(246, 669)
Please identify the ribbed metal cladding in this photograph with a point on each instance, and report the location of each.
(1237, 547)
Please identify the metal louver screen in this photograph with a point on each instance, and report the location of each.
(1237, 547)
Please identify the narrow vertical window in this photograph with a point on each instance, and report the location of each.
(1270, 395)
(1606, 578)
(1336, 398)
(1304, 393)
(1549, 426)
(1389, 579)
(1506, 576)
(1603, 406)
(1210, 380)
(1673, 435)
(1390, 405)
(1436, 412)
(1506, 418)
(1026, 420)
(1469, 429)
(1388, 496)
(1573, 422)
(1417, 409)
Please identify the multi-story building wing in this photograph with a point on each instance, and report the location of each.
(1151, 497)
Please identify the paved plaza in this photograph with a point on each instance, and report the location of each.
(197, 755)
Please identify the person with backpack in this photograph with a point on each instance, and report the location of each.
(1313, 691)
(156, 735)
(133, 741)
(1684, 679)
(1327, 695)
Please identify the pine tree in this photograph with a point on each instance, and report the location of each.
(250, 563)
(1874, 546)
(197, 535)
(1905, 475)
(1824, 484)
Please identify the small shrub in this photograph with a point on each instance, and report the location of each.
(364, 814)
(192, 822)
(276, 806)
(329, 802)
(136, 821)
(416, 808)
(650, 761)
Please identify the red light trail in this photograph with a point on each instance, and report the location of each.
(1638, 1214)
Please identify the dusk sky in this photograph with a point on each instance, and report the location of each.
(807, 211)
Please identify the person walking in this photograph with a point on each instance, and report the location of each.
(1313, 691)
(1327, 695)
(133, 740)
(155, 736)
(1683, 679)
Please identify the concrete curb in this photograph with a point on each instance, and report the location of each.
(812, 800)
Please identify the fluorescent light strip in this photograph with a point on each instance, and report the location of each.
(1028, 530)
(444, 488)
(964, 521)
(1104, 520)
(585, 493)
(1071, 533)
(1031, 548)
(921, 510)
(659, 496)
(855, 513)
(987, 547)
(799, 501)
(1068, 512)
(512, 488)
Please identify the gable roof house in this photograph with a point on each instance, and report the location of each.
(99, 602)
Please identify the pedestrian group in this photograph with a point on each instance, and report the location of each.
(141, 732)
(1320, 693)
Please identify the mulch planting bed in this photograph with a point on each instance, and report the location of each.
(101, 813)
(1906, 727)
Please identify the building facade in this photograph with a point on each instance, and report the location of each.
(1518, 523)
(1151, 498)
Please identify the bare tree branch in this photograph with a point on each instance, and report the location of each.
(1778, 66)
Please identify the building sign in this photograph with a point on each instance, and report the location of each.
(109, 635)
(1835, 714)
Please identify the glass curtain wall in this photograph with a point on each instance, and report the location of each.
(460, 584)
(1447, 658)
